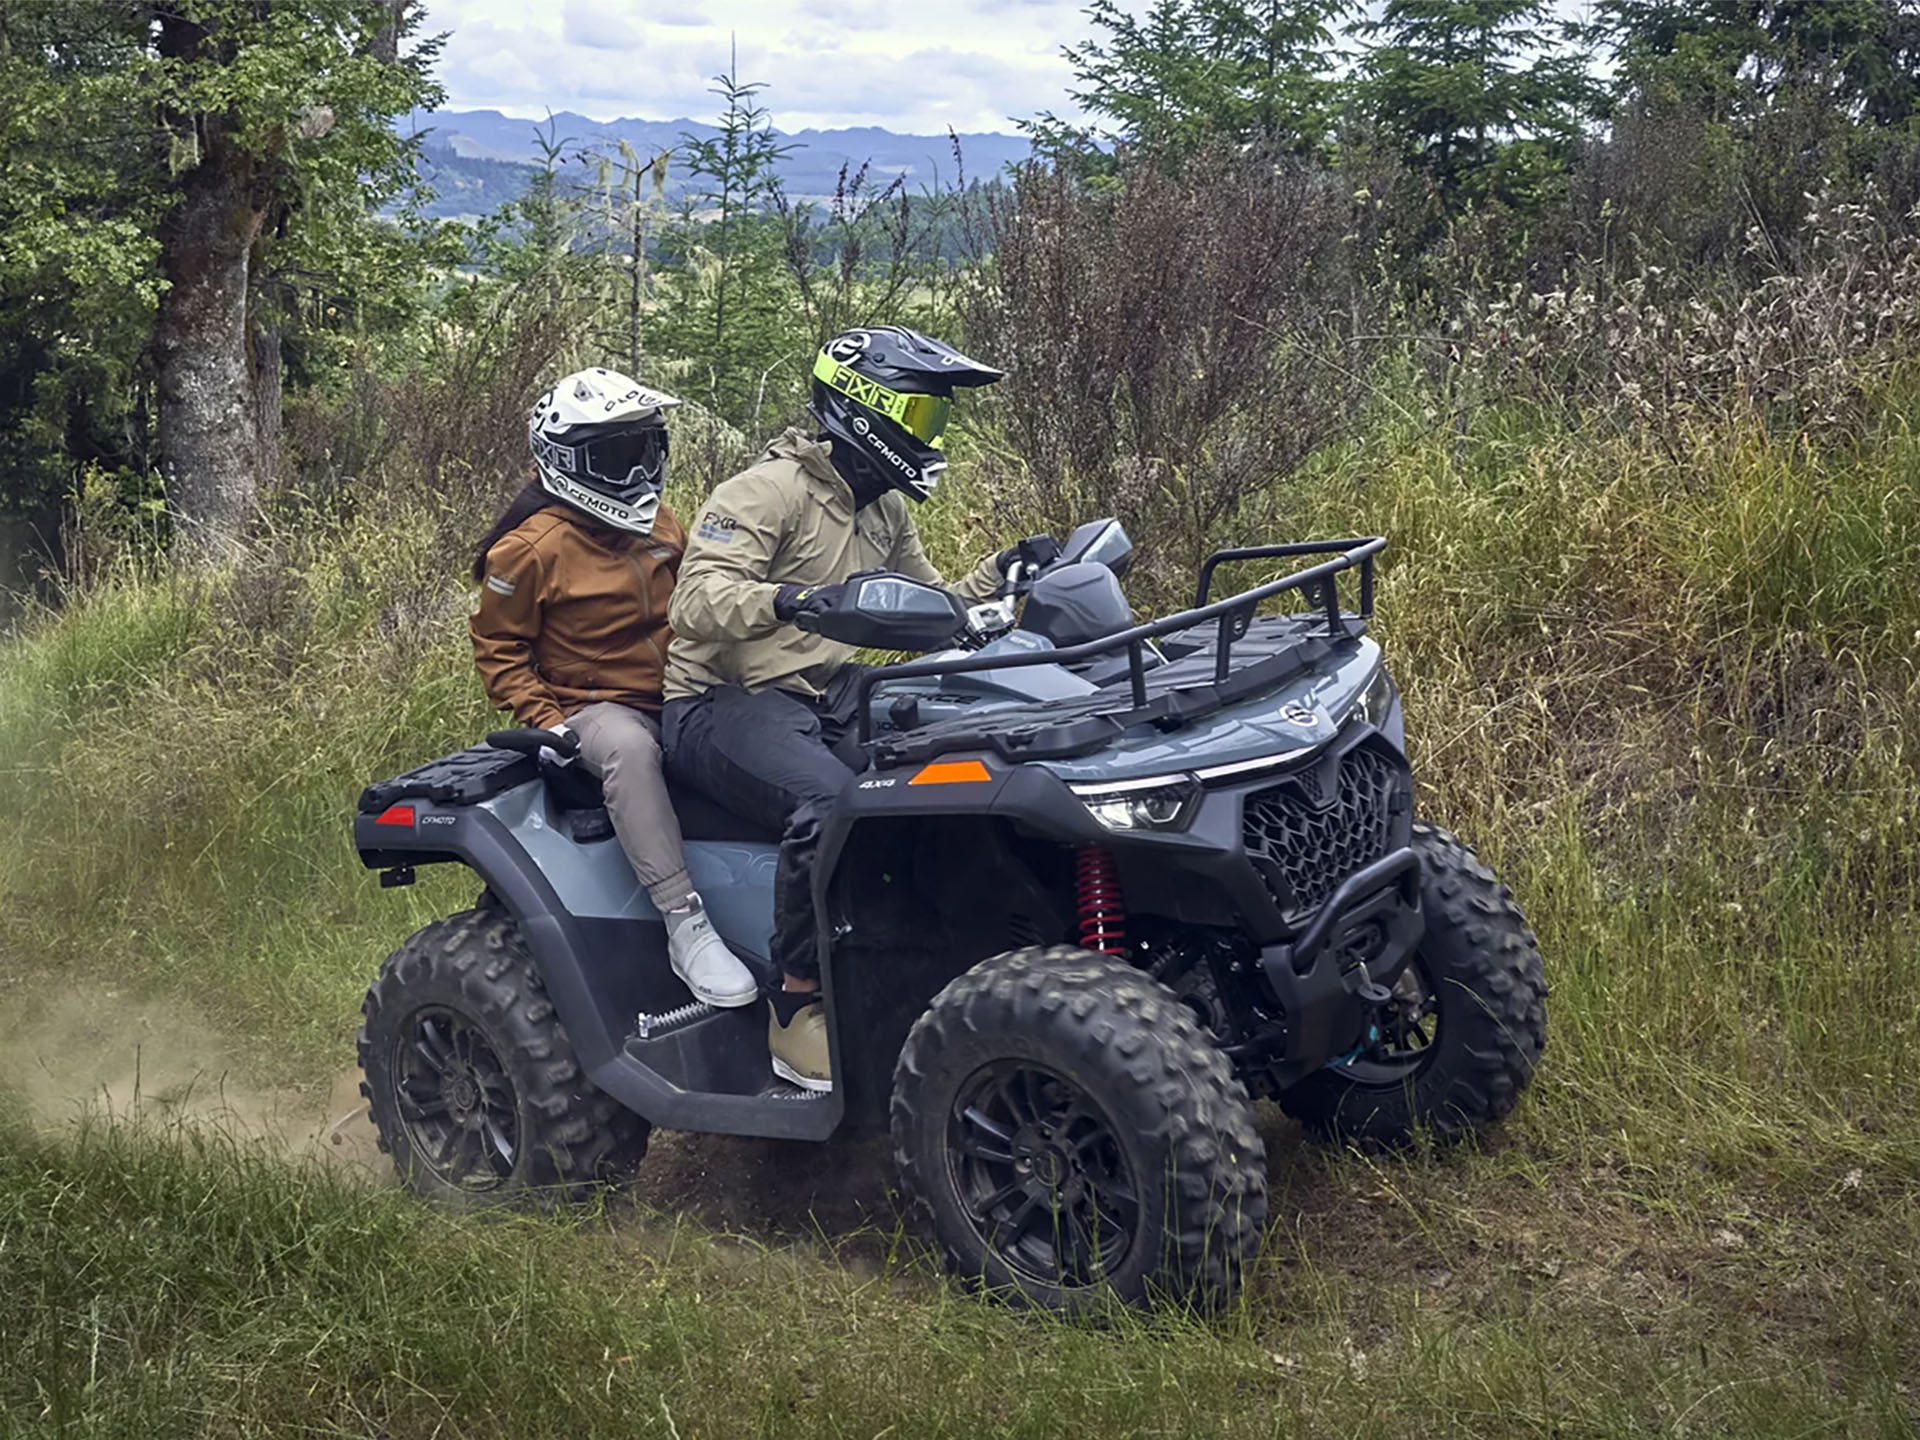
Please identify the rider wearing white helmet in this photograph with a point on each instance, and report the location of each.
(570, 632)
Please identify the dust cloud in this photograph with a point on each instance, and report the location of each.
(92, 1050)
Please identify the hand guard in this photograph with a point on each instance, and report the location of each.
(797, 604)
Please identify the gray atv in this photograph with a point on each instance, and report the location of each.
(1101, 885)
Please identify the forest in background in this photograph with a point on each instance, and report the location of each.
(212, 237)
(1625, 368)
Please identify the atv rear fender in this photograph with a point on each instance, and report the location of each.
(602, 970)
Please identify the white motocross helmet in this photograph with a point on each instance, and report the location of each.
(599, 441)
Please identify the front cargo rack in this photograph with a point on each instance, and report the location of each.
(1286, 645)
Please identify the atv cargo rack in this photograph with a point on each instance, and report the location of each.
(1077, 729)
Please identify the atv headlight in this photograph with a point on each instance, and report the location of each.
(1161, 802)
(1375, 702)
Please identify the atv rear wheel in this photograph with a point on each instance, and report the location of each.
(1467, 1023)
(1069, 1134)
(471, 1080)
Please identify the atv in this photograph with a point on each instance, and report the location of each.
(1100, 886)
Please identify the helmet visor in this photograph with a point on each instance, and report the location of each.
(626, 458)
(922, 416)
(925, 417)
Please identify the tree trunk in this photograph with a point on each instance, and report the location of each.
(263, 344)
(208, 405)
(386, 41)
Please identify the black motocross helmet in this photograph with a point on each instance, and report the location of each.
(883, 397)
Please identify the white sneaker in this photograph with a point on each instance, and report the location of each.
(704, 963)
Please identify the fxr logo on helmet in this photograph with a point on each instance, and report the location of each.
(545, 449)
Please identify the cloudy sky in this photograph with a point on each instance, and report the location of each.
(908, 65)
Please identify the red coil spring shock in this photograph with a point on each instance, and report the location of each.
(1103, 916)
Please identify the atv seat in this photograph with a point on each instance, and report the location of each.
(577, 793)
(704, 818)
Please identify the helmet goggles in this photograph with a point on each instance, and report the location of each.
(624, 460)
(922, 416)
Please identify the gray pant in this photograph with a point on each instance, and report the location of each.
(621, 746)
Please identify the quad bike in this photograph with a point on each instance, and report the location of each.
(1100, 885)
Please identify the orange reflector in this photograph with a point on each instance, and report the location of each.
(396, 815)
(952, 772)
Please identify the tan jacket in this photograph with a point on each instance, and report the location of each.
(572, 613)
(789, 519)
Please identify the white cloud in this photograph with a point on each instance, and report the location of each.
(597, 27)
(971, 64)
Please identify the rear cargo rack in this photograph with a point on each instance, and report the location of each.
(1232, 615)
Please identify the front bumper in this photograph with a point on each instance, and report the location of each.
(1362, 937)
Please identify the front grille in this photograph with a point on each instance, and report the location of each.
(1316, 840)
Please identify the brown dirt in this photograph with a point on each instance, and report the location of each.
(775, 1190)
(103, 1051)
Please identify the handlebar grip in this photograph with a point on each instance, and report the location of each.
(528, 741)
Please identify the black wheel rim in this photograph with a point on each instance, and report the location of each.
(456, 1102)
(1408, 1032)
(1041, 1175)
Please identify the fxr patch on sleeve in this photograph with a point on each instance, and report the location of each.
(717, 529)
(501, 586)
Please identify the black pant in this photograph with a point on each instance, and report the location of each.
(778, 760)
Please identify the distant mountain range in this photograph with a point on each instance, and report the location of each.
(478, 159)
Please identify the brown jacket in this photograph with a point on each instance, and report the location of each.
(571, 613)
(789, 519)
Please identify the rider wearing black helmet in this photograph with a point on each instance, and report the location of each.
(760, 714)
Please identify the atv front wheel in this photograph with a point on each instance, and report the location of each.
(1465, 1027)
(471, 1080)
(1070, 1133)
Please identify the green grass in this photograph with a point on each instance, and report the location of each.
(184, 1285)
(1670, 696)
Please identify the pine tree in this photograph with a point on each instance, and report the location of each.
(1861, 57)
(1192, 71)
(1485, 94)
(726, 251)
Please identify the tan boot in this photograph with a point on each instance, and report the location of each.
(799, 1045)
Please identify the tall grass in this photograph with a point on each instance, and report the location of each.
(189, 1287)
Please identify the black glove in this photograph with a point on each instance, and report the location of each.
(791, 602)
(1036, 552)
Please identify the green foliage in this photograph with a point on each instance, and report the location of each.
(1193, 72)
(728, 325)
(78, 284)
(1862, 55)
(105, 123)
(1485, 94)
(186, 1284)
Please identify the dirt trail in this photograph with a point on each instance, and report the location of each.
(97, 1050)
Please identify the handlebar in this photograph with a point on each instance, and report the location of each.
(1318, 581)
